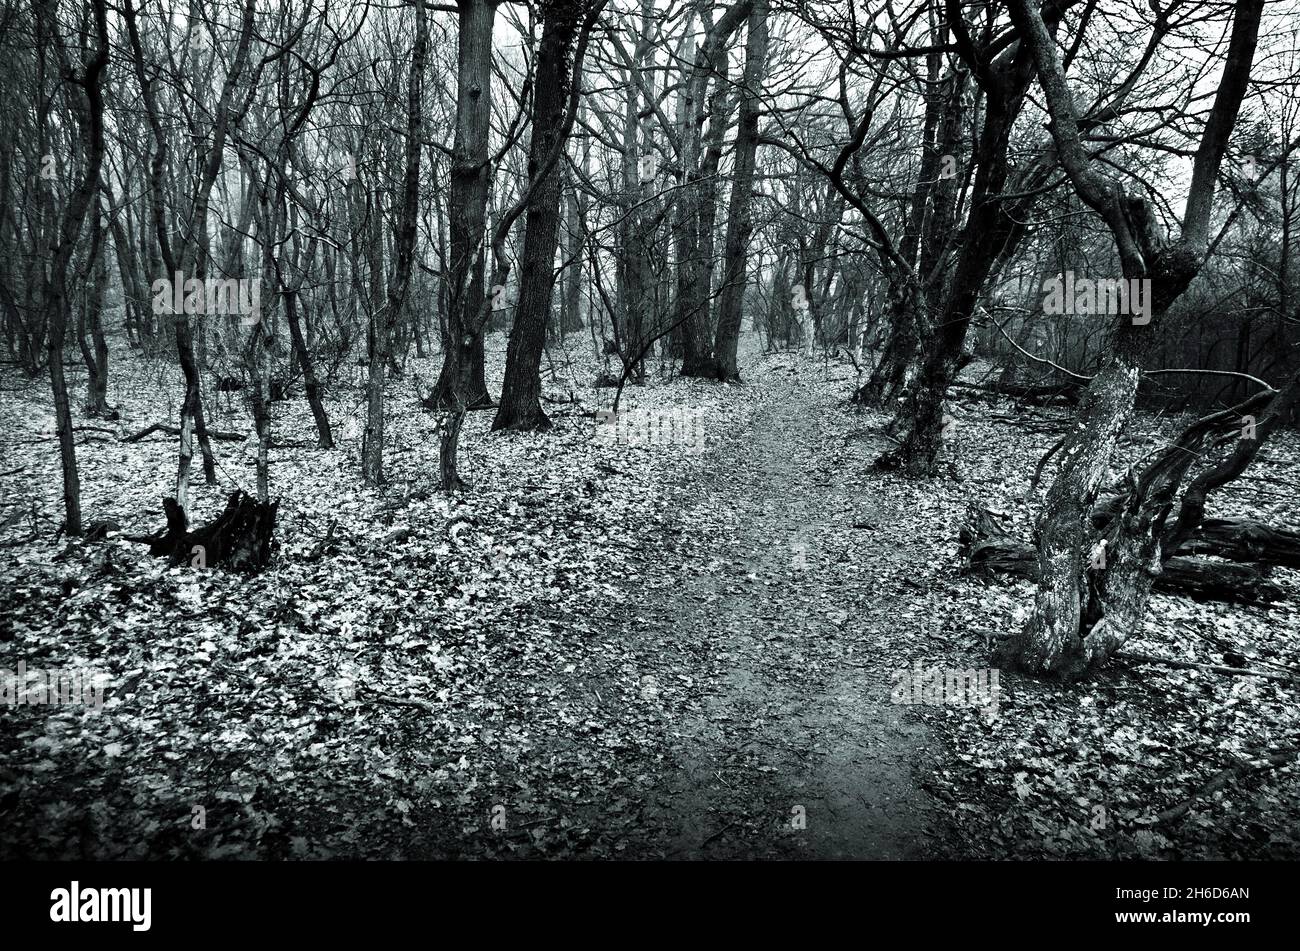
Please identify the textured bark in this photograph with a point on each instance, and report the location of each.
(540, 176)
(324, 436)
(521, 406)
(88, 107)
(1080, 619)
(90, 327)
(696, 204)
(1241, 539)
(461, 381)
(241, 538)
(899, 362)
(634, 291)
(575, 236)
(963, 276)
(896, 368)
(987, 547)
(740, 220)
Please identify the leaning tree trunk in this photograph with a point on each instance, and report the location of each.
(90, 122)
(324, 437)
(896, 368)
(1082, 615)
(90, 328)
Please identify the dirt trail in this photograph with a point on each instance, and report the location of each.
(798, 723)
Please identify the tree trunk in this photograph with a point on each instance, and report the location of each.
(383, 320)
(1081, 616)
(740, 221)
(90, 328)
(987, 547)
(324, 437)
(521, 406)
(461, 381)
(90, 122)
(696, 203)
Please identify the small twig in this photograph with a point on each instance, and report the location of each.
(1226, 776)
(727, 828)
(421, 705)
(324, 542)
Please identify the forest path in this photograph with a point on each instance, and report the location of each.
(797, 728)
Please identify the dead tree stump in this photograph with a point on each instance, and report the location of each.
(240, 538)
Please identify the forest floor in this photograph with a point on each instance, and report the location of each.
(604, 650)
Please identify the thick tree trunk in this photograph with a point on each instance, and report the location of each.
(697, 202)
(1082, 615)
(461, 381)
(740, 221)
(521, 406)
(896, 368)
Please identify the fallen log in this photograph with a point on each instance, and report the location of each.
(240, 538)
(1068, 392)
(1240, 539)
(175, 431)
(986, 546)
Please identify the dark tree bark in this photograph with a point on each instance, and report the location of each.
(521, 391)
(696, 203)
(740, 221)
(87, 103)
(987, 547)
(241, 538)
(324, 437)
(461, 381)
(383, 321)
(450, 439)
(90, 327)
